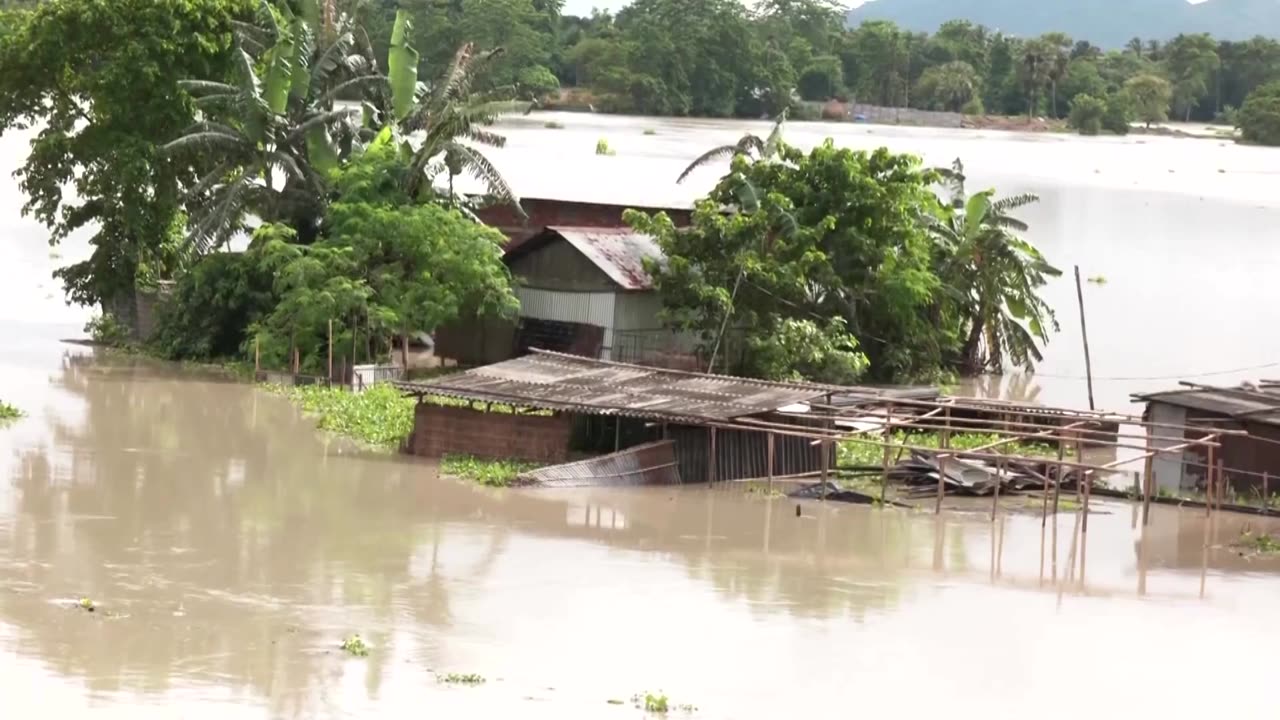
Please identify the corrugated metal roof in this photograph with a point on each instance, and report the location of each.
(618, 252)
(555, 381)
(1246, 402)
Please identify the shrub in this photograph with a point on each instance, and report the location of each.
(1259, 116)
(1119, 113)
(1086, 114)
(602, 147)
(106, 330)
(973, 107)
(211, 308)
(536, 81)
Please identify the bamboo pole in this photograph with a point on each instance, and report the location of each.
(1044, 504)
(884, 476)
(1084, 336)
(1266, 496)
(769, 454)
(330, 378)
(257, 354)
(1149, 489)
(995, 495)
(1088, 486)
(1208, 488)
(711, 457)
(942, 474)
(826, 457)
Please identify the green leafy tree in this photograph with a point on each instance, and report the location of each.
(837, 234)
(949, 87)
(1083, 78)
(822, 79)
(536, 82)
(1087, 113)
(1118, 114)
(99, 80)
(1036, 62)
(1192, 61)
(1058, 47)
(1259, 117)
(995, 277)
(1150, 95)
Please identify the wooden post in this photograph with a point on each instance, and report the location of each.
(769, 456)
(1088, 486)
(297, 360)
(1149, 489)
(1208, 484)
(888, 438)
(942, 475)
(825, 459)
(1083, 474)
(995, 494)
(1222, 485)
(1084, 336)
(404, 349)
(1044, 501)
(711, 459)
(355, 330)
(330, 378)
(1057, 492)
(617, 430)
(1266, 497)
(257, 354)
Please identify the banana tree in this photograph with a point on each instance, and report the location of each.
(994, 276)
(274, 132)
(440, 123)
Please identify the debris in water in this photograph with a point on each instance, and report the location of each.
(614, 701)
(1257, 544)
(355, 646)
(87, 604)
(461, 679)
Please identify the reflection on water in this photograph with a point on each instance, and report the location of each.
(229, 548)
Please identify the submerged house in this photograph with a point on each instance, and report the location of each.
(1193, 411)
(582, 290)
(552, 407)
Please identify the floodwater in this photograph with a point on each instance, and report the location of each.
(230, 547)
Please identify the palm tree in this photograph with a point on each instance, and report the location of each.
(1059, 46)
(1035, 61)
(994, 275)
(275, 133)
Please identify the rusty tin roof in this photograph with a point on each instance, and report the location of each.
(618, 252)
(555, 381)
(1247, 402)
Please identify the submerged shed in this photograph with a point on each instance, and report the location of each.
(1246, 458)
(547, 405)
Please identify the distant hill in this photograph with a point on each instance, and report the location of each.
(1109, 23)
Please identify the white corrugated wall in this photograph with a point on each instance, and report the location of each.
(592, 308)
(1168, 466)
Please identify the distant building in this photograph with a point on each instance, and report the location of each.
(1196, 410)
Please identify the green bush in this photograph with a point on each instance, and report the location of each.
(602, 147)
(211, 308)
(806, 111)
(9, 412)
(106, 330)
(1119, 113)
(1259, 116)
(536, 81)
(973, 107)
(822, 79)
(1087, 113)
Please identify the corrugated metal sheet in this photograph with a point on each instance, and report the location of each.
(637, 311)
(591, 308)
(648, 464)
(1258, 405)
(565, 382)
(618, 252)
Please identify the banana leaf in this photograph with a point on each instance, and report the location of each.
(402, 66)
(279, 73)
(320, 150)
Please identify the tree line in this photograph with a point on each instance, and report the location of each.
(333, 144)
(723, 58)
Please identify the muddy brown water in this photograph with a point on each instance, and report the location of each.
(230, 547)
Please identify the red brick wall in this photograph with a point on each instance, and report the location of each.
(556, 212)
(458, 430)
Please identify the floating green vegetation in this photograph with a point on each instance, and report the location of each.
(1258, 544)
(491, 473)
(602, 147)
(652, 703)
(1098, 280)
(614, 701)
(355, 647)
(553, 125)
(859, 454)
(378, 416)
(87, 604)
(9, 412)
(461, 679)
(650, 131)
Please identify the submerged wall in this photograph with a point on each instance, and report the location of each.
(459, 430)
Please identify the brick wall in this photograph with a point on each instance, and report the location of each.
(557, 212)
(457, 430)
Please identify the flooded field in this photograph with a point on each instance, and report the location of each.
(229, 548)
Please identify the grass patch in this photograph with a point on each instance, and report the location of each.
(553, 125)
(862, 454)
(490, 473)
(602, 148)
(355, 647)
(378, 416)
(461, 679)
(9, 412)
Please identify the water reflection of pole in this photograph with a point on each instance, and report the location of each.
(939, 528)
(1142, 562)
(1000, 549)
(1204, 556)
(1042, 532)
(768, 519)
